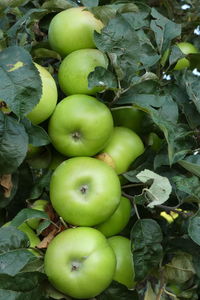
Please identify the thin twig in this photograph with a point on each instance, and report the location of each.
(133, 202)
(126, 186)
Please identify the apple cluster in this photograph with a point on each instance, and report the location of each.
(98, 146)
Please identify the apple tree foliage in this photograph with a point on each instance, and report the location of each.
(136, 35)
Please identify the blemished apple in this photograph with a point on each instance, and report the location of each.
(118, 220)
(48, 100)
(123, 147)
(84, 191)
(75, 68)
(73, 29)
(39, 205)
(124, 272)
(80, 263)
(80, 126)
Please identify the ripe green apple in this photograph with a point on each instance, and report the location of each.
(123, 147)
(128, 116)
(124, 272)
(39, 205)
(80, 263)
(80, 126)
(186, 48)
(73, 29)
(48, 100)
(84, 191)
(118, 220)
(75, 68)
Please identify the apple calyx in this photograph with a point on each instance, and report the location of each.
(76, 136)
(84, 189)
(106, 158)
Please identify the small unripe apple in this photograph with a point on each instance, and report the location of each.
(118, 220)
(123, 147)
(48, 100)
(124, 272)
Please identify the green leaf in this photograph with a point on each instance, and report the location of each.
(43, 225)
(11, 239)
(41, 184)
(164, 29)
(61, 4)
(90, 3)
(146, 237)
(136, 47)
(117, 291)
(192, 164)
(103, 78)
(13, 144)
(179, 94)
(159, 190)
(14, 261)
(37, 135)
(190, 186)
(50, 291)
(178, 137)
(194, 228)
(192, 85)
(45, 53)
(27, 214)
(23, 286)
(20, 85)
(175, 55)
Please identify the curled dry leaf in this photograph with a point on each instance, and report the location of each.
(6, 183)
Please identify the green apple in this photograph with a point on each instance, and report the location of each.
(84, 191)
(128, 116)
(118, 220)
(80, 126)
(154, 141)
(48, 100)
(39, 205)
(39, 157)
(75, 68)
(73, 29)
(80, 263)
(124, 272)
(123, 147)
(186, 48)
(33, 151)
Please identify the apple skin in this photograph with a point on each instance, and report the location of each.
(123, 147)
(118, 220)
(75, 68)
(124, 272)
(86, 129)
(80, 263)
(73, 29)
(39, 205)
(186, 48)
(84, 191)
(48, 100)
(129, 117)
